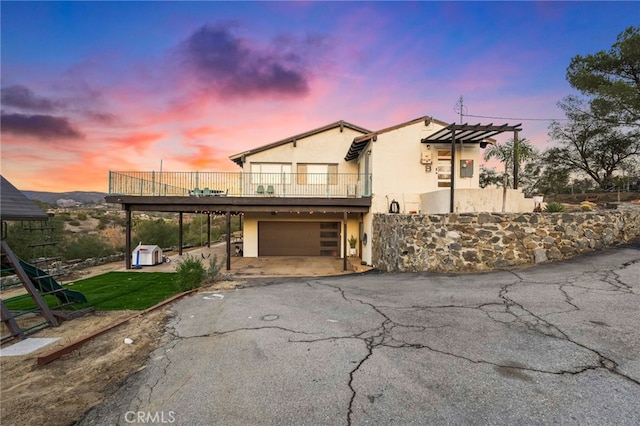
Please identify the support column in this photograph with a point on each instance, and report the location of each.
(515, 159)
(453, 174)
(127, 243)
(209, 230)
(228, 241)
(180, 233)
(344, 242)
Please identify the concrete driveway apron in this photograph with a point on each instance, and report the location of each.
(558, 343)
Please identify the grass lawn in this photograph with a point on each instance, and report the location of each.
(117, 291)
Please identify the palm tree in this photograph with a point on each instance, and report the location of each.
(505, 154)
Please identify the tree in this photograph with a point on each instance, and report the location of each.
(30, 240)
(545, 177)
(158, 232)
(84, 246)
(611, 79)
(489, 177)
(504, 153)
(590, 145)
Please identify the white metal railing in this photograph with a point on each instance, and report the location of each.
(239, 184)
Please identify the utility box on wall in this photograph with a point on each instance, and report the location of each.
(466, 168)
(425, 157)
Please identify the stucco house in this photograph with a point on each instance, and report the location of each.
(307, 194)
(399, 168)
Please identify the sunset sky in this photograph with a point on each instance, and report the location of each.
(89, 87)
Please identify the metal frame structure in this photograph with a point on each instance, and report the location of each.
(473, 133)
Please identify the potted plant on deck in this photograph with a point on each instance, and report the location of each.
(352, 245)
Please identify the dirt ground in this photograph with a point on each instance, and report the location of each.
(59, 393)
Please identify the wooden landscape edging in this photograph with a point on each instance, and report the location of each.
(57, 353)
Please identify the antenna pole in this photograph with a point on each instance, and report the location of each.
(459, 108)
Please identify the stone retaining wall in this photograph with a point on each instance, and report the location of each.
(62, 269)
(95, 261)
(487, 241)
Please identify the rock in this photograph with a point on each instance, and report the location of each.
(540, 255)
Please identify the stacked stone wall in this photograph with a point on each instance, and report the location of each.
(469, 242)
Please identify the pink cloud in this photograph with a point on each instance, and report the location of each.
(139, 142)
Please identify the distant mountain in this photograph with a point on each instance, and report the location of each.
(80, 197)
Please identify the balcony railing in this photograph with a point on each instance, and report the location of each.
(238, 184)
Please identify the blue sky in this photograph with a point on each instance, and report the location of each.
(93, 86)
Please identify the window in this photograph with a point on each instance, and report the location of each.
(443, 168)
(270, 173)
(317, 174)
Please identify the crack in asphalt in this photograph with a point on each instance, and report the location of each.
(381, 336)
(555, 332)
(505, 311)
(613, 279)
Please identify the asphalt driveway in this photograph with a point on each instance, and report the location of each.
(554, 344)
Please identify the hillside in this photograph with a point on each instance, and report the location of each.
(81, 197)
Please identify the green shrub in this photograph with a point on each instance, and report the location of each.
(213, 273)
(190, 273)
(84, 246)
(81, 216)
(554, 207)
(157, 231)
(64, 216)
(74, 223)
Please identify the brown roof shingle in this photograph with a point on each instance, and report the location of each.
(15, 206)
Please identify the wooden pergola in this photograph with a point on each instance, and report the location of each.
(473, 133)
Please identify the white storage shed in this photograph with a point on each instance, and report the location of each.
(146, 255)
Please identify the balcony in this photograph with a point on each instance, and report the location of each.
(239, 184)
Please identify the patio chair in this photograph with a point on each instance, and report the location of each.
(206, 192)
(270, 190)
(196, 192)
(260, 190)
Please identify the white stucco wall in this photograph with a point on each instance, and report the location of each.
(328, 147)
(367, 253)
(250, 235)
(476, 200)
(398, 173)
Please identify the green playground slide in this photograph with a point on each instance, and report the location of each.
(48, 284)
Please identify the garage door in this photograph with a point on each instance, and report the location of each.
(299, 239)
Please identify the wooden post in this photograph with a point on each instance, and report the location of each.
(180, 233)
(127, 243)
(37, 298)
(515, 159)
(11, 322)
(228, 241)
(208, 229)
(344, 243)
(453, 175)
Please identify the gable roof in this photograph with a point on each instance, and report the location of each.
(147, 247)
(239, 158)
(361, 142)
(15, 206)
